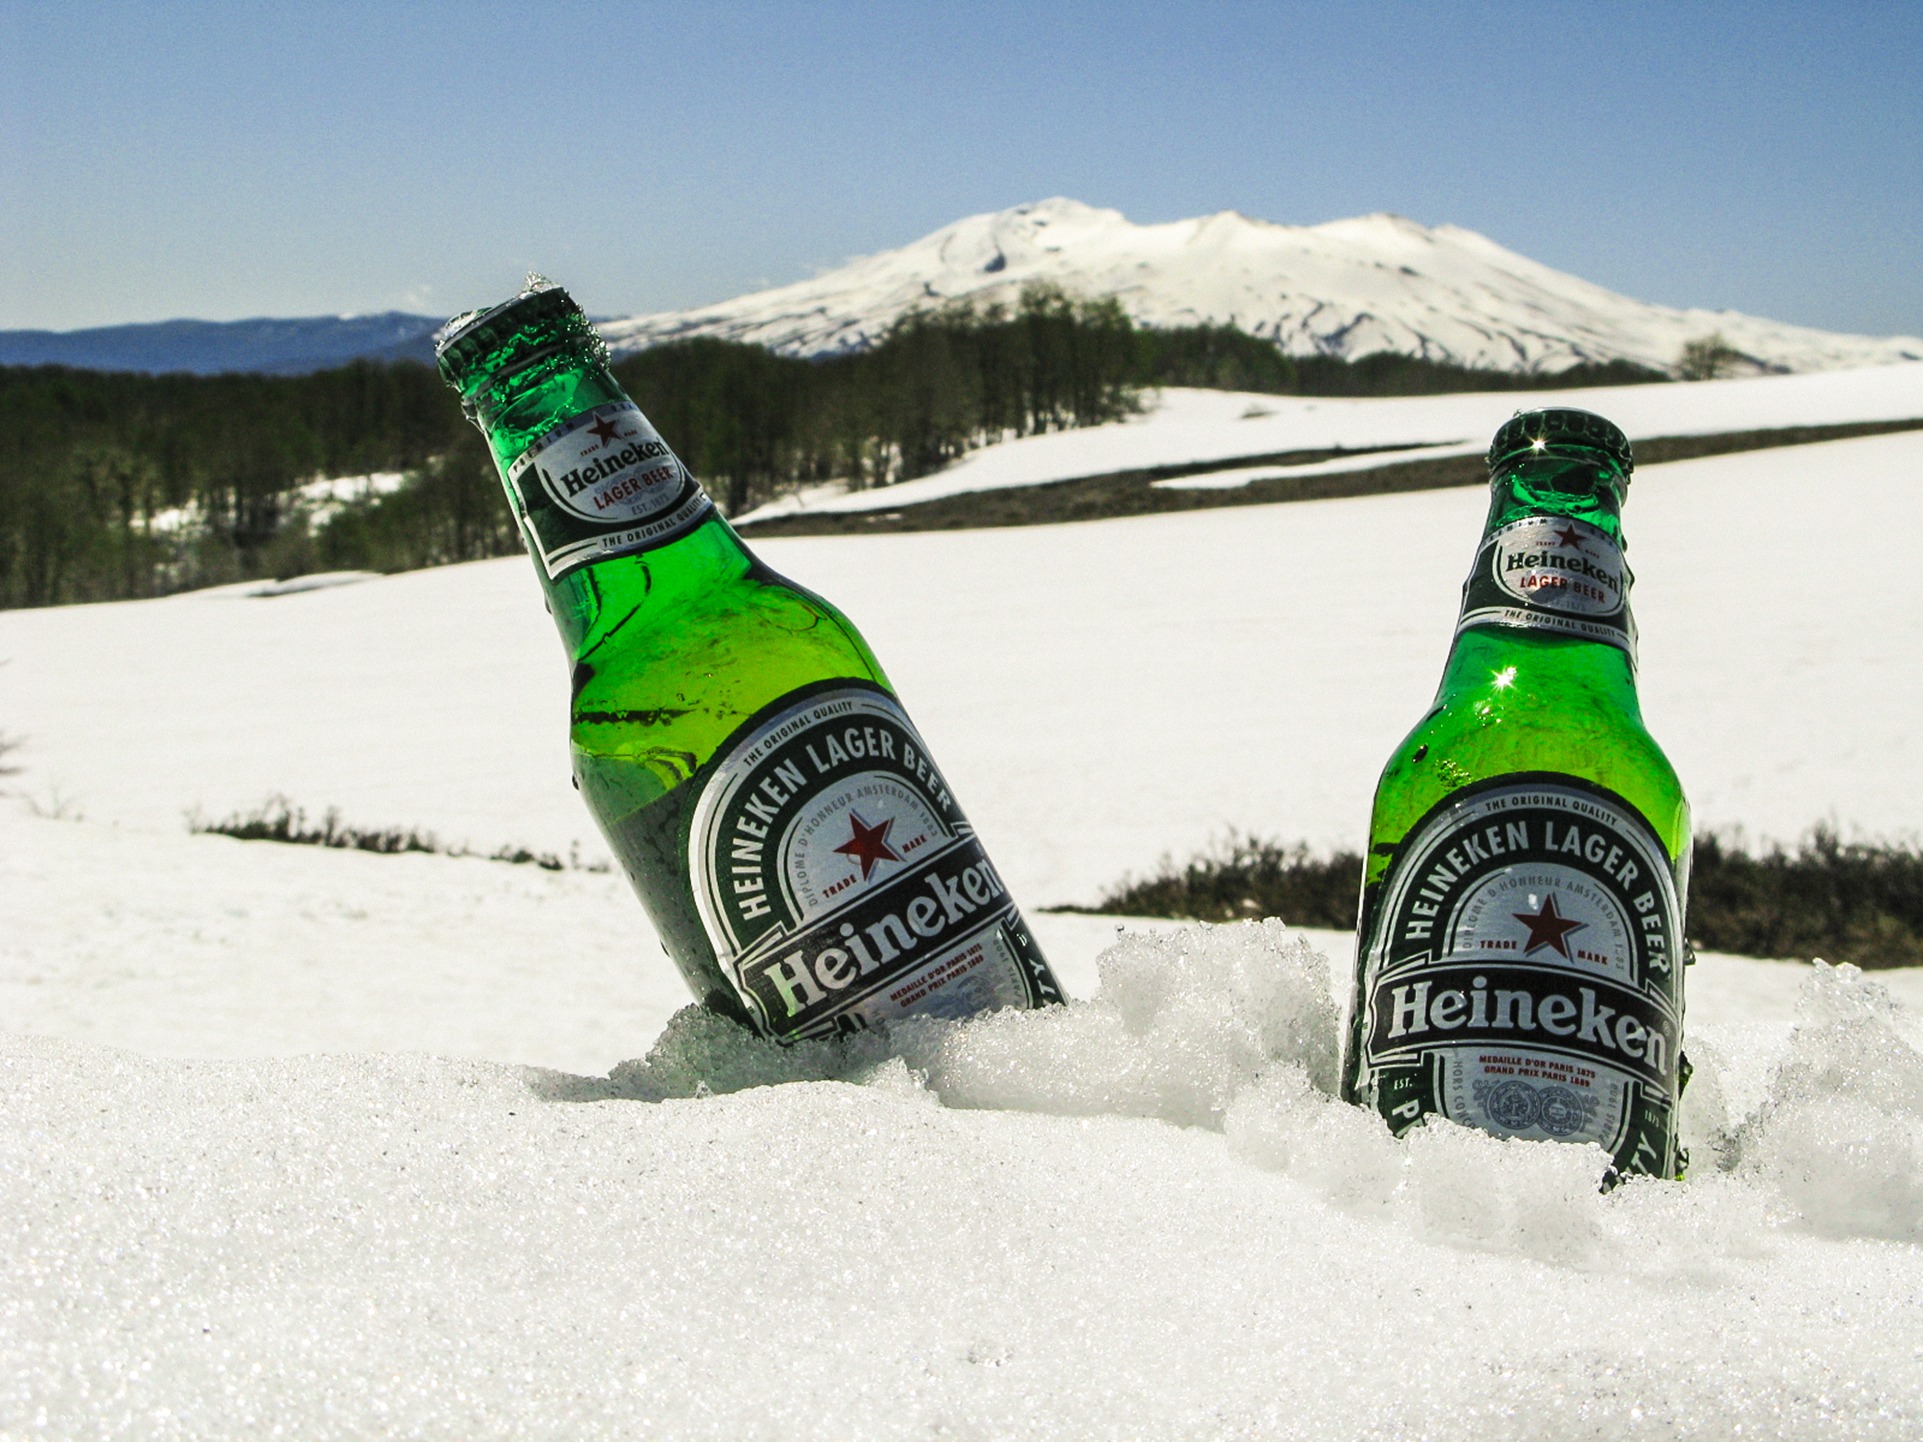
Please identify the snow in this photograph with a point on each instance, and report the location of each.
(1099, 694)
(1239, 476)
(204, 947)
(317, 501)
(201, 946)
(1137, 1216)
(1347, 288)
(327, 1144)
(1181, 426)
(326, 497)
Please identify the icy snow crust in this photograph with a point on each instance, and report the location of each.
(1138, 1216)
(1348, 288)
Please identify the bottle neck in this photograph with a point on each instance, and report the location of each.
(1571, 483)
(515, 405)
(1549, 580)
(595, 489)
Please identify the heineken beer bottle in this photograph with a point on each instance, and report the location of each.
(1520, 946)
(800, 854)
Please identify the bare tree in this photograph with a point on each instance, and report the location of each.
(1708, 357)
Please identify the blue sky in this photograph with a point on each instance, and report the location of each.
(225, 160)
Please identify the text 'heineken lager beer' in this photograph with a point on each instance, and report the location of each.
(798, 850)
(1521, 950)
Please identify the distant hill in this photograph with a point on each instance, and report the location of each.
(1349, 288)
(206, 347)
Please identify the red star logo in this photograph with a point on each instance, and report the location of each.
(1569, 536)
(869, 845)
(1546, 928)
(604, 428)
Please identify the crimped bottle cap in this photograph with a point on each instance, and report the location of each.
(543, 309)
(1530, 431)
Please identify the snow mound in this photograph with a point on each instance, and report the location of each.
(398, 1246)
(1232, 1029)
(1182, 1023)
(1839, 1137)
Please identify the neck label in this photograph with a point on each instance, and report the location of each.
(1551, 573)
(839, 883)
(602, 484)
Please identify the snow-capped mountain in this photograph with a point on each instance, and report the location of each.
(1348, 288)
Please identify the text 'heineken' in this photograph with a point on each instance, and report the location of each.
(1520, 948)
(798, 850)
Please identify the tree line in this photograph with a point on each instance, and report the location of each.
(117, 485)
(1857, 901)
(125, 485)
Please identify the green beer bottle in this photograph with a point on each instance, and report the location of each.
(1520, 946)
(801, 856)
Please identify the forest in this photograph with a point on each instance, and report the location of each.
(122, 485)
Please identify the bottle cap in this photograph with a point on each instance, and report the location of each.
(1528, 431)
(539, 317)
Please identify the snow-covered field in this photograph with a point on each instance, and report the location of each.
(240, 1197)
(1181, 426)
(1101, 693)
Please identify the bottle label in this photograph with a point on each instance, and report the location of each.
(1523, 972)
(840, 884)
(602, 484)
(1551, 573)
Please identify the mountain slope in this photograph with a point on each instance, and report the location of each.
(205, 347)
(1348, 288)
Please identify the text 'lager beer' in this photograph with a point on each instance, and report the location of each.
(799, 852)
(1520, 949)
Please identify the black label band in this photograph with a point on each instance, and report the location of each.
(1541, 1008)
(840, 884)
(857, 952)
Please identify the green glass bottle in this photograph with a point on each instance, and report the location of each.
(1520, 945)
(801, 856)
